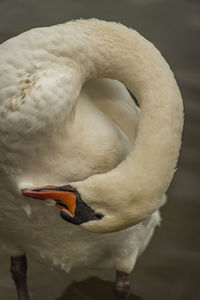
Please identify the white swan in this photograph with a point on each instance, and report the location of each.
(60, 124)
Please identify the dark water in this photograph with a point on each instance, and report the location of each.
(170, 267)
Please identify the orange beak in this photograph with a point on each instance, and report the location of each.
(65, 200)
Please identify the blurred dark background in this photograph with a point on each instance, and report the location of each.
(170, 267)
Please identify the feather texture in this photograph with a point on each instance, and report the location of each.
(59, 124)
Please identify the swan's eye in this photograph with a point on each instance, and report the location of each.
(99, 216)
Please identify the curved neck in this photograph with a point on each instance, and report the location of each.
(138, 182)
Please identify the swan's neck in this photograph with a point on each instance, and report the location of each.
(135, 187)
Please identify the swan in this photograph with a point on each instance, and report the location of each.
(72, 137)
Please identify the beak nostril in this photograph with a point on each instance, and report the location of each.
(61, 204)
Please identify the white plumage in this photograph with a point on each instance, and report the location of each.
(60, 124)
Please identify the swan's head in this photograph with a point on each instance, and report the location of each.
(72, 208)
(91, 217)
